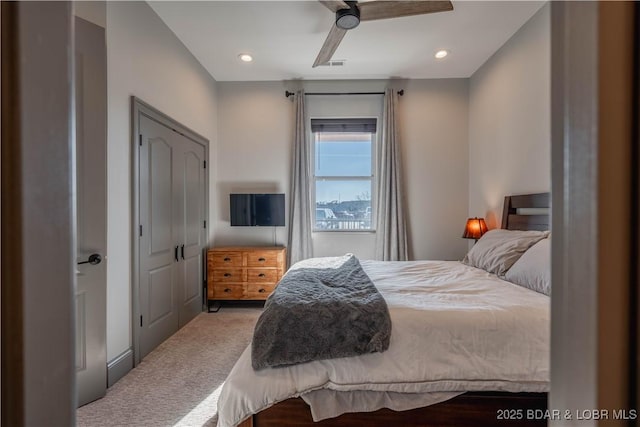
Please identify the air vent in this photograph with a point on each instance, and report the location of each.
(334, 63)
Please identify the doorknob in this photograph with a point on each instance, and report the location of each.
(94, 259)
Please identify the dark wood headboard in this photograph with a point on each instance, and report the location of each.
(513, 220)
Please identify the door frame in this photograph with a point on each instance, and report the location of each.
(594, 107)
(38, 214)
(139, 108)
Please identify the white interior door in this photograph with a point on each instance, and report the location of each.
(91, 208)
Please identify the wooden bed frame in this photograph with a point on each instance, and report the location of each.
(513, 220)
(472, 409)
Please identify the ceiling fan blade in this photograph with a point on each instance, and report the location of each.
(334, 5)
(330, 45)
(372, 10)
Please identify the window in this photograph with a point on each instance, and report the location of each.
(343, 174)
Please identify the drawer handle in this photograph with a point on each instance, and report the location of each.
(261, 259)
(227, 274)
(261, 275)
(261, 291)
(227, 259)
(227, 290)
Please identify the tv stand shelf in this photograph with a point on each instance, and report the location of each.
(244, 272)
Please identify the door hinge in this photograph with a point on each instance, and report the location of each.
(205, 224)
(140, 139)
(141, 321)
(140, 230)
(205, 164)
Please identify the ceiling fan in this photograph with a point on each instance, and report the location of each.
(350, 13)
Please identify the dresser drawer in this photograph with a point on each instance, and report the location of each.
(228, 275)
(244, 272)
(227, 291)
(226, 259)
(262, 259)
(262, 275)
(259, 290)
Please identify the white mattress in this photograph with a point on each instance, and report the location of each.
(455, 329)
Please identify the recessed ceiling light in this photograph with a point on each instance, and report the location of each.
(245, 57)
(441, 54)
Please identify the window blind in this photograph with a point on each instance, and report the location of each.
(344, 125)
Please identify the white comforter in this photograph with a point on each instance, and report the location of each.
(455, 329)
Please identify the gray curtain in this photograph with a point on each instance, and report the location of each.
(391, 233)
(299, 244)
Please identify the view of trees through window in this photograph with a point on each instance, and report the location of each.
(343, 180)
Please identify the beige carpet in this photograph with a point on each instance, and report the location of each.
(178, 384)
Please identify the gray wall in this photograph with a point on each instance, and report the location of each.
(434, 130)
(147, 60)
(510, 120)
(254, 154)
(254, 133)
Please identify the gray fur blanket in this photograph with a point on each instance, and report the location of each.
(323, 308)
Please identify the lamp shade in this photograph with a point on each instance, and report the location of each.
(475, 228)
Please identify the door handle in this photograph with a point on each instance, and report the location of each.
(175, 254)
(94, 259)
(182, 251)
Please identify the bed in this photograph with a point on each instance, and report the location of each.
(498, 392)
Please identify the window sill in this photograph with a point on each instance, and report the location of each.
(345, 231)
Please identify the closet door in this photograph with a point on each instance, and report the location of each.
(158, 281)
(190, 228)
(172, 210)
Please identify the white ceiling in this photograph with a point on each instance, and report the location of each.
(284, 38)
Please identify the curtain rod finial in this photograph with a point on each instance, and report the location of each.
(401, 92)
(288, 94)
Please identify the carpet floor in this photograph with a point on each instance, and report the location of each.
(178, 383)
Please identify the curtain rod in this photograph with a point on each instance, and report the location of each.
(288, 94)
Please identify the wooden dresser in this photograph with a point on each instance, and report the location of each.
(244, 273)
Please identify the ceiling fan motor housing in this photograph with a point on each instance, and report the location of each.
(348, 19)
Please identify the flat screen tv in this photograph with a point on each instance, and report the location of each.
(257, 209)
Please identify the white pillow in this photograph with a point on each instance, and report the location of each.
(498, 250)
(533, 269)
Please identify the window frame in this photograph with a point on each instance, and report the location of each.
(372, 177)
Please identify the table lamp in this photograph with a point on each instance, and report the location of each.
(474, 229)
